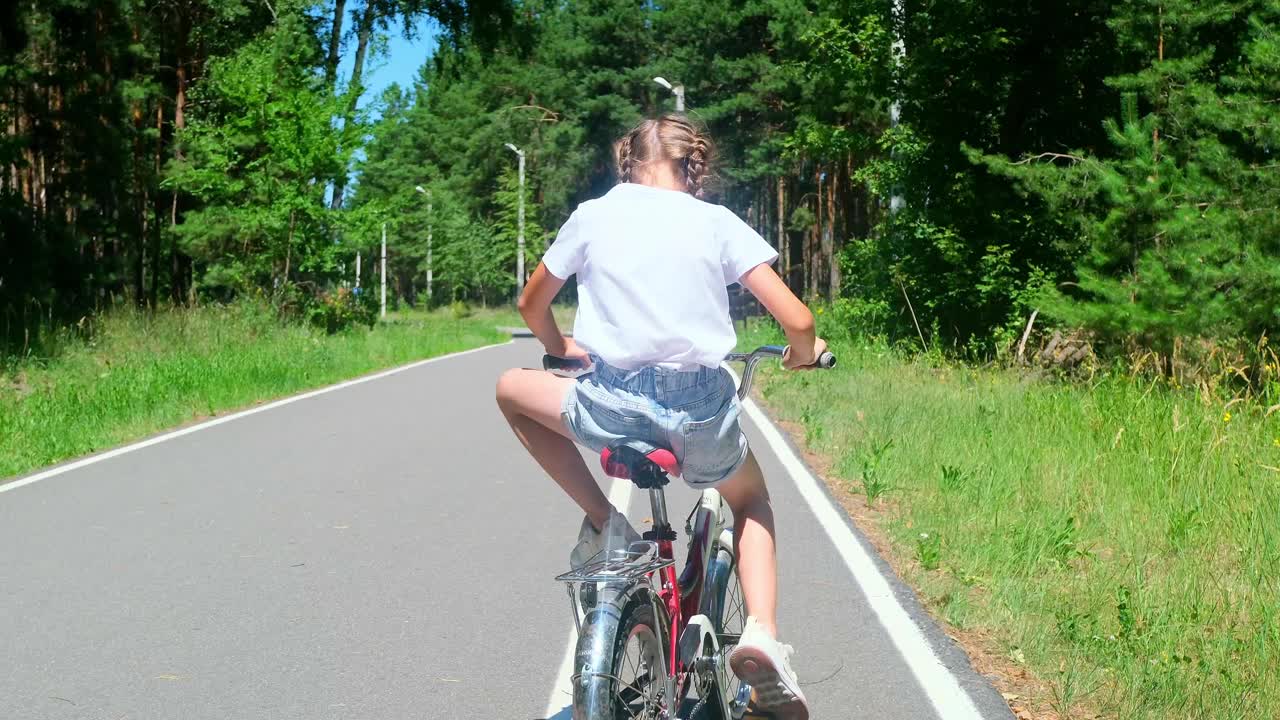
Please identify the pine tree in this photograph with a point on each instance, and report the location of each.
(1179, 214)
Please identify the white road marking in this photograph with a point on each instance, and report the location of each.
(562, 691)
(228, 418)
(949, 700)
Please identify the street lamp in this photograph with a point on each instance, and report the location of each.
(677, 89)
(520, 234)
(426, 192)
(383, 311)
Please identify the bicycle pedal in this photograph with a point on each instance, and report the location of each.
(754, 713)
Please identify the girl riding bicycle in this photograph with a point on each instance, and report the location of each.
(653, 263)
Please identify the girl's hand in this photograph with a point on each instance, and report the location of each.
(571, 351)
(799, 359)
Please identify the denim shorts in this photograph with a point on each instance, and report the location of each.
(693, 413)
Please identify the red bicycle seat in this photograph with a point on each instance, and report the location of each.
(633, 459)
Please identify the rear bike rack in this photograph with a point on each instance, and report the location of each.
(638, 562)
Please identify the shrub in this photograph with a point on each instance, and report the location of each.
(337, 311)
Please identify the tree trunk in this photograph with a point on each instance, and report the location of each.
(363, 32)
(288, 246)
(179, 123)
(335, 43)
(1155, 134)
(831, 251)
(813, 254)
(153, 293)
(140, 248)
(784, 247)
(825, 232)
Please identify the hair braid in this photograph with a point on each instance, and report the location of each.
(623, 157)
(696, 164)
(670, 139)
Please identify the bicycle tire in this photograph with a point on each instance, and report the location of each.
(728, 610)
(601, 658)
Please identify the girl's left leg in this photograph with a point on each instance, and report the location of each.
(753, 534)
(759, 659)
(531, 401)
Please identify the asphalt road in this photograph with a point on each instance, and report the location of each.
(383, 551)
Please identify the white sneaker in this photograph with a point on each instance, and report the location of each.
(617, 535)
(765, 664)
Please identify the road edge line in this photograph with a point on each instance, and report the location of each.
(949, 699)
(124, 449)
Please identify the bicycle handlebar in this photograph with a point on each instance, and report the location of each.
(825, 361)
(551, 362)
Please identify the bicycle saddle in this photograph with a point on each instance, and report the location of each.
(645, 464)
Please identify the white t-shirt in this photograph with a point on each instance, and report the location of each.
(653, 266)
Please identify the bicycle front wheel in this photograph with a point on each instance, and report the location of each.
(619, 658)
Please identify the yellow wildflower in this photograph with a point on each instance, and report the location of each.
(1226, 417)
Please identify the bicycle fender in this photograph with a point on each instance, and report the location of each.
(594, 653)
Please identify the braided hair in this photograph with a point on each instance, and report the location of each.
(696, 165)
(670, 138)
(624, 159)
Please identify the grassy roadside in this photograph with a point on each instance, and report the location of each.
(1110, 550)
(144, 373)
(507, 317)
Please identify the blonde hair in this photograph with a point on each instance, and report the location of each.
(670, 138)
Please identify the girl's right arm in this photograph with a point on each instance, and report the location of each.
(535, 307)
(803, 344)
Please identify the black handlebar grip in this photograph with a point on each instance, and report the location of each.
(826, 360)
(551, 362)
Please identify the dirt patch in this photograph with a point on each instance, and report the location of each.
(1029, 697)
(17, 384)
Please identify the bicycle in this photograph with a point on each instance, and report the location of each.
(647, 637)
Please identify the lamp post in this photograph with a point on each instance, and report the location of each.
(677, 90)
(384, 270)
(420, 189)
(520, 232)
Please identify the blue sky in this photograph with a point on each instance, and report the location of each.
(398, 64)
(397, 61)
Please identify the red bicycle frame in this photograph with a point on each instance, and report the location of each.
(682, 596)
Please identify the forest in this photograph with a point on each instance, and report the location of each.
(981, 178)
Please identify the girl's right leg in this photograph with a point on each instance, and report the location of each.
(531, 402)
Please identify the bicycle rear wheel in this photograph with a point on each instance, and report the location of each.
(619, 656)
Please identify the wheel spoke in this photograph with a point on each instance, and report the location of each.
(731, 627)
(636, 686)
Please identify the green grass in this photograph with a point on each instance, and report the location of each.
(142, 373)
(508, 317)
(1121, 539)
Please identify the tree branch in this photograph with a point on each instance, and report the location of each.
(1055, 156)
(548, 115)
(1022, 344)
(913, 315)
